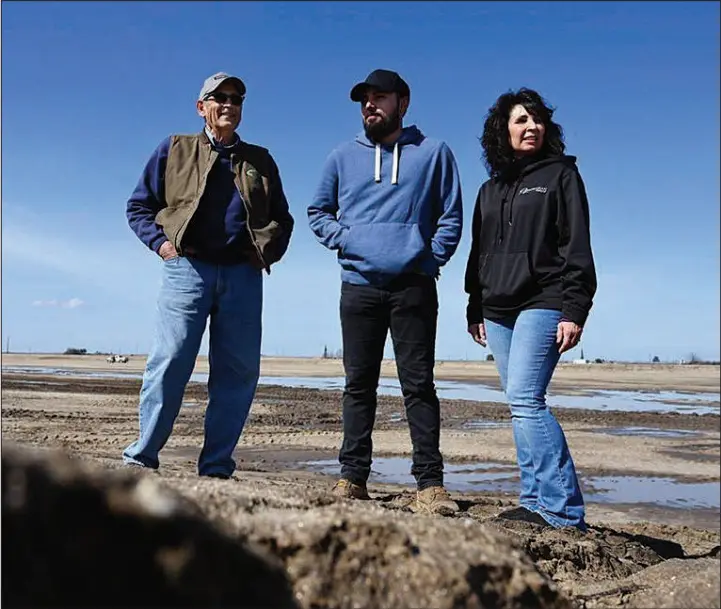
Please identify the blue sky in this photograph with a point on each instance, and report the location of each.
(89, 89)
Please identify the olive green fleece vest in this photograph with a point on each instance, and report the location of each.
(190, 159)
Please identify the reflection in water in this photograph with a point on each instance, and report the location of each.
(661, 491)
(500, 477)
(628, 401)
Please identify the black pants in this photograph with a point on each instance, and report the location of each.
(409, 307)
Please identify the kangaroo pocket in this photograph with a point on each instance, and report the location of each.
(505, 278)
(388, 248)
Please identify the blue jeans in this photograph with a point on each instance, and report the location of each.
(191, 292)
(525, 351)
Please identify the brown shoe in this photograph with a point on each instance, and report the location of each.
(434, 500)
(349, 490)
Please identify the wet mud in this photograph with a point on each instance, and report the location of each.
(62, 440)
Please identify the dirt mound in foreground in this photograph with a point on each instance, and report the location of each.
(81, 535)
(77, 535)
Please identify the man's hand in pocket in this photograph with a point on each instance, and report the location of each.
(167, 251)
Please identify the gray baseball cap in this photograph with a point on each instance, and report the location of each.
(213, 82)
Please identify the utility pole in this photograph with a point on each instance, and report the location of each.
(7, 345)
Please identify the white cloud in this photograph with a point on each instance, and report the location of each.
(73, 303)
(129, 275)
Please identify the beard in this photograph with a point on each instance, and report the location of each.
(382, 128)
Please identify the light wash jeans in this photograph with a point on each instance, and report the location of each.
(191, 292)
(525, 351)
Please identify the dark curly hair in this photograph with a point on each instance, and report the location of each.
(498, 156)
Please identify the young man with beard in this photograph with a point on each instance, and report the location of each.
(390, 203)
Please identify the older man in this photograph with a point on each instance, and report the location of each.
(213, 208)
(389, 202)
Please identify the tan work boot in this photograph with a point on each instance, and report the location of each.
(434, 500)
(349, 490)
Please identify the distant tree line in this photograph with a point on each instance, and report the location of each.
(75, 351)
(691, 358)
(78, 351)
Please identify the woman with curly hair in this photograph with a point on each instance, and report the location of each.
(530, 280)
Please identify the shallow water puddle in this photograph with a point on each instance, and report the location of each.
(627, 401)
(661, 491)
(640, 401)
(68, 372)
(500, 477)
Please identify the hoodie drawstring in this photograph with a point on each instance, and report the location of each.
(394, 173)
(510, 206)
(378, 162)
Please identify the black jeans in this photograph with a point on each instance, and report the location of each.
(409, 307)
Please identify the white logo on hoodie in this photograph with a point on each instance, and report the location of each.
(542, 189)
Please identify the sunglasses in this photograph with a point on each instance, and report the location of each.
(221, 98)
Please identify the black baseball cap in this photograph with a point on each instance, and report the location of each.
(383, 80)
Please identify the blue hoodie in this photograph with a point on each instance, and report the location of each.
(389, 209)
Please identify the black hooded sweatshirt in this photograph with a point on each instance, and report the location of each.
(531, 245)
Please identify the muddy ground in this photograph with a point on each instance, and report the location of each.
(635, 555)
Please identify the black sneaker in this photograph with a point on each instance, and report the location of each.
(525, 515)
(216, 475)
